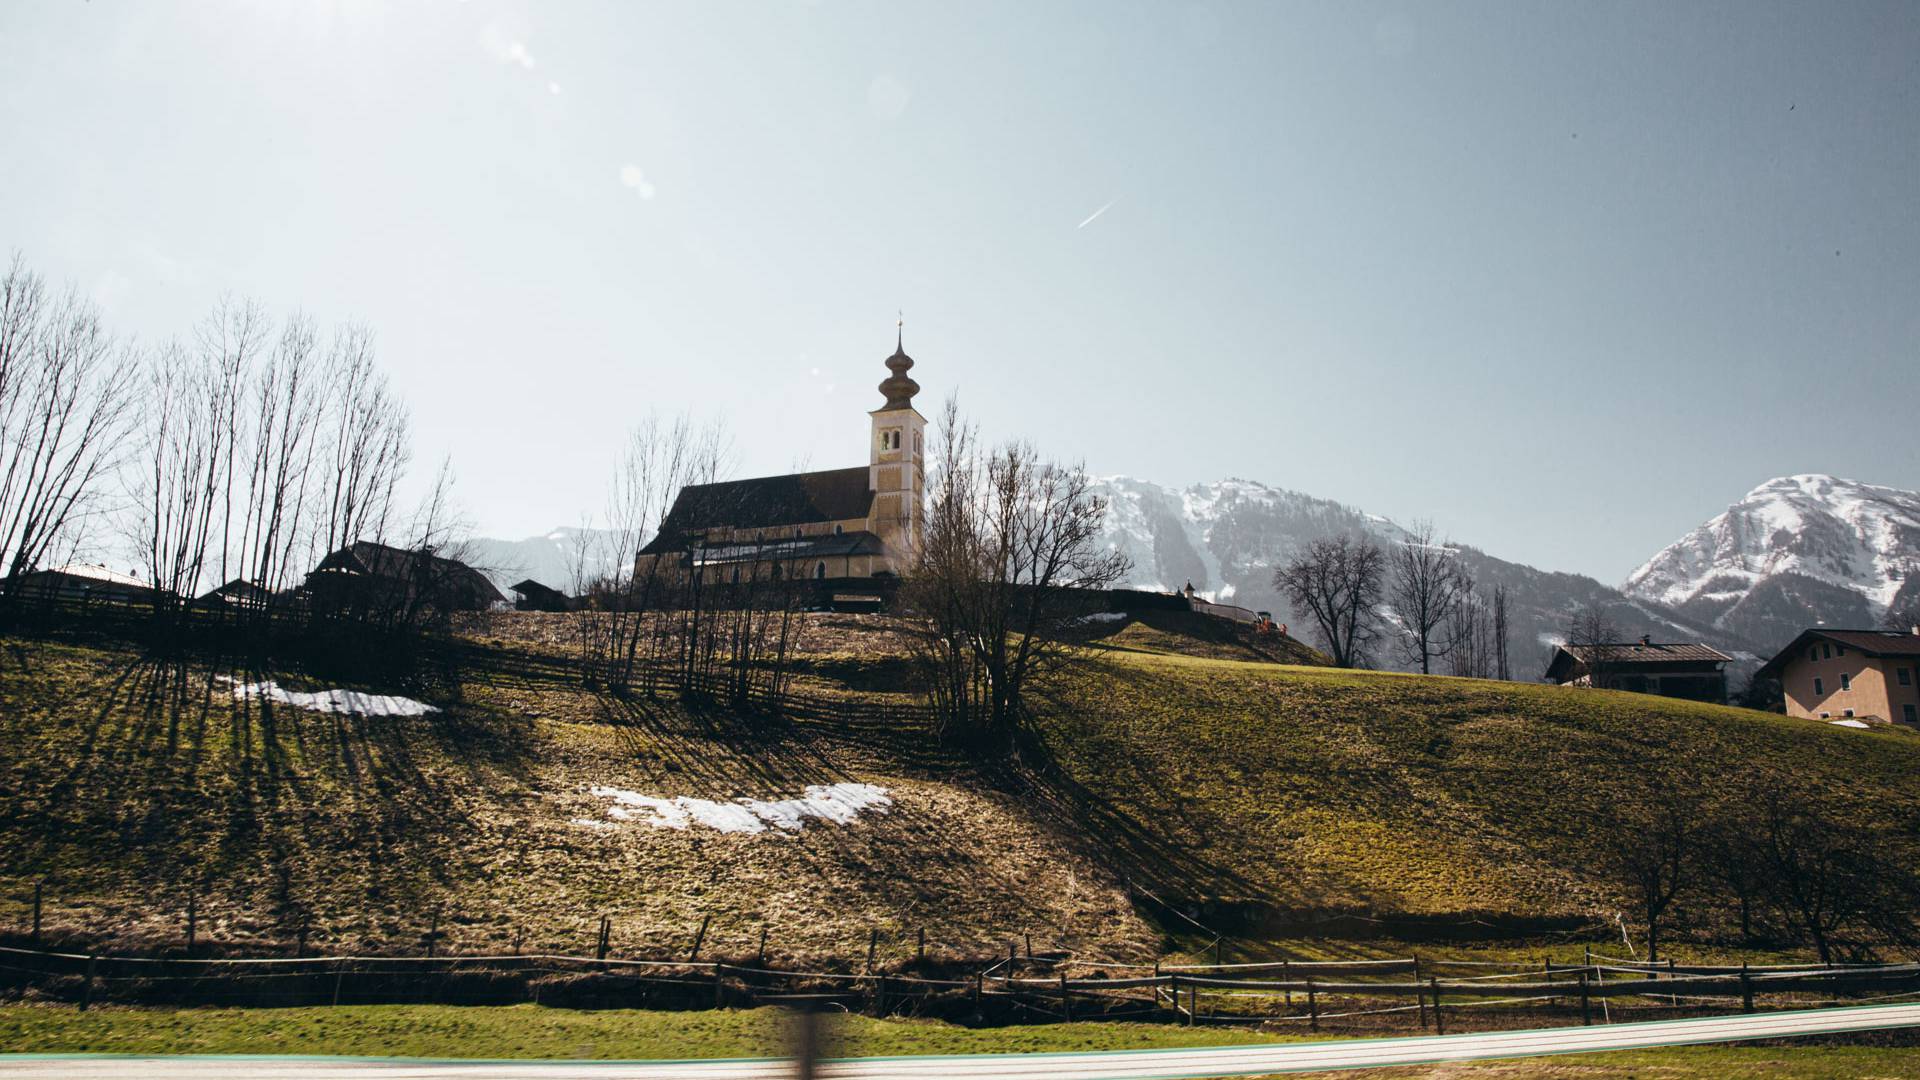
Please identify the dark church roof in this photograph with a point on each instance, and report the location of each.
(766, 502)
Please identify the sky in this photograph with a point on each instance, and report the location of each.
(1566, 279)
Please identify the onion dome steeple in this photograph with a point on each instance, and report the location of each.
(899, 387)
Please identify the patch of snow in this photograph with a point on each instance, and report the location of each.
(354, 702)
(1849, 723)
(840, 804)
(1100, 617)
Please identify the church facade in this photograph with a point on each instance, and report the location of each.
(858, 522)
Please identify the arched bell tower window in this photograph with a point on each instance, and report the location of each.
(820, 571)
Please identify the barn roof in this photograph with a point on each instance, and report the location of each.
(765, 502)
(1566, 657)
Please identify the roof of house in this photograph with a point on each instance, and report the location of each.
(1635, 652)
(530, 587)
(98, 573)
(400, 564)
(1869, 642)
(764, 502)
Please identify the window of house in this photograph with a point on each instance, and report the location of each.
(1818, 688)
(820, 571)
(1826, 716)
(1826, 652)
(1839, 650)
(1846, 712)
(838, 530)
(1846, 681)
(1907, 711)
(1906, 676)
(1813, 652)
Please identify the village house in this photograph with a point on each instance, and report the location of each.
(861, 522)
(367, 578)
(1678, 669)
(1840, 675)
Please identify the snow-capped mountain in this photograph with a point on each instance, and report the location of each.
(1227, 538)
(555, 559)
(1795, 551)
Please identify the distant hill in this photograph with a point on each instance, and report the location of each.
(554, 559)
(1793, 552)
(1228, 537)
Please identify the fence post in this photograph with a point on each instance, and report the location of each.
(1439, 1014)
(978, 979)
(193, 913)
(1586, 1006)
(603, 941)
(1066, 999)
(1313, 1007)
(1193, 1005)
(86, 987)
(1672, 999)
(433, 933)
(1419, 995)
(339, 972)
(922, 954)
(763, 944)
(1029, 936)
(1286, 975)
(300, 940)
(718, 989)
(880, 997)
(873, 942)
(1216, 950)
(1546, 969)
(37, 887)
(1746, 988)
(700, 937)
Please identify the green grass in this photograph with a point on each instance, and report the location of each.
(531, 1032)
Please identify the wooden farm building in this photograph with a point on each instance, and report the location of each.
(1678, 669)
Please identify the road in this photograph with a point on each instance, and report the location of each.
(1120, 1065)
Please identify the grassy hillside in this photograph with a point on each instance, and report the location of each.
(1319, 788)
(1193, 778)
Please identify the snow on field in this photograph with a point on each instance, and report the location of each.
(354, 702)
(1100, 617)
(1849, 723)
(841, 804)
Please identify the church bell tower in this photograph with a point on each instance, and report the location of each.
(896, 470)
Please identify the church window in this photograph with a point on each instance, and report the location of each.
(838, 530)
(820, 571)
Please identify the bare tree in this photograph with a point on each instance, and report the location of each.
(1650, 849)
(1470, 648)
(1502, 634)
(368, 444)
(1594, 641)
(1337, 582)
(1009, 542)
(660, 458)
(1428, 583)
(66, 394)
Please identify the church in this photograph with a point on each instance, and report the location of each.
(858, 522)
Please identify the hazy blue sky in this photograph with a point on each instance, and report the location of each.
(1566, 278)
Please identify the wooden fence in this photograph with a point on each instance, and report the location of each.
(1435, 991)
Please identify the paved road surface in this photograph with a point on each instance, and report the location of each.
(1121, 1065)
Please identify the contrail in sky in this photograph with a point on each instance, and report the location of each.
(1098, 212)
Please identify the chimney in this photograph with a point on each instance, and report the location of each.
(1646, 639)
(1916, 630)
